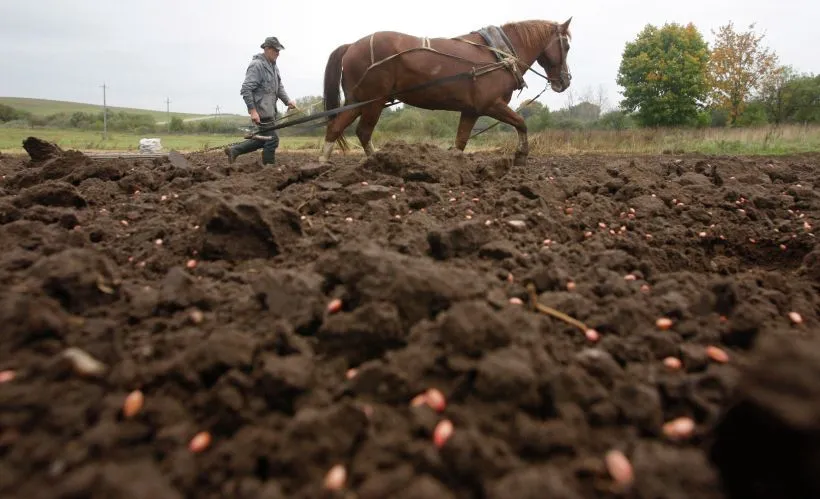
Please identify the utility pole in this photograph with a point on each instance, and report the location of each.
(105, 114)
(168, 110)
(217, 111)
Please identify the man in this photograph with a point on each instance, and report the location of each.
(260, 91)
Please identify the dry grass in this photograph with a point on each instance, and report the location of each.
(759, 140)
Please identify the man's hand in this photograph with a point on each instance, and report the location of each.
(255, 116)
(292, 105)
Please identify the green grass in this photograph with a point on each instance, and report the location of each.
(46, 107)
(11, 140)
(769, 140)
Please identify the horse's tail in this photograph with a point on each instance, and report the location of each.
(333, 76)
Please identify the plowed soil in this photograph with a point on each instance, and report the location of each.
(207, 288)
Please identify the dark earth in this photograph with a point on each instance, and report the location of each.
(207, 288)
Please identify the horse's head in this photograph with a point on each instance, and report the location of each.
(554, 57)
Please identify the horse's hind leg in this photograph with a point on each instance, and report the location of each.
(367, 123)
(465, 126)
(502, 112)
(335, 129)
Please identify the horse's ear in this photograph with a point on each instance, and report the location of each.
(565, 25)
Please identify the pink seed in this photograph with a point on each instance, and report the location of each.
(795, 317)
(619, 467)
(442, 433)
(200, 442)
(516, 301)
(191, 264)
(571, 286)
(717, 354)
(6, 376)
(663, 323)
(679, 428)
(436, 400)
(645, 288)
(334, 306)
(133, 404)
(592, 335)
(630, 277)
(351, 373)
(336, 477)
(672, 363)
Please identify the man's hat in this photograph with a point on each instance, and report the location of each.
(272, 41)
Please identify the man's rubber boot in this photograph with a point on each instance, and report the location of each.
(231, 155)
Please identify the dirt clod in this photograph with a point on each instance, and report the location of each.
(292, 315)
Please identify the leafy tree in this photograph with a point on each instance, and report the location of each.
(737, 67)
(802, 97)
(663, 73)
(773, 93)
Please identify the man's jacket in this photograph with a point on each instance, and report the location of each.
(262, 86)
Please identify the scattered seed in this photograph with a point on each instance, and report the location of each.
(351, 373)
(796, 317)
(348, 219)
(663, 323)
(602, 225)
(84, 364)
(717, 354)
(592, 335)
(435, 399)
(569, 210)
(672, 363)
(133, 404)
(200, 442)
(630, 277)
(702, 234)
(197, 316)
(334, 306)
(158, 242)
(587, 234)
(6, 376)
(571, 286)
(336, 477)
(679, 429)
(516, 301)
(442, 433)
(619, 467)
(191, 264)
(645, 288)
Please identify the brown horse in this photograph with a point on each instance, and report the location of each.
(375, 68)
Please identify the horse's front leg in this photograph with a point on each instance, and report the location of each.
(503, 113)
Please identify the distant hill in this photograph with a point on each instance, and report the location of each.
(46, 107)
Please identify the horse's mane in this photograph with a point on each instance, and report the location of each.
(535, 32)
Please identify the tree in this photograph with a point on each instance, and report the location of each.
(773, 93)
(737, 67)
(663, 73)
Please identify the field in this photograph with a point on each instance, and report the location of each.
(45, 107)
(788, 139)
(280, 323)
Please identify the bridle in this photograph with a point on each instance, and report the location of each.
(564, 75)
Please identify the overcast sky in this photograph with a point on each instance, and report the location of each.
(195, 51)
